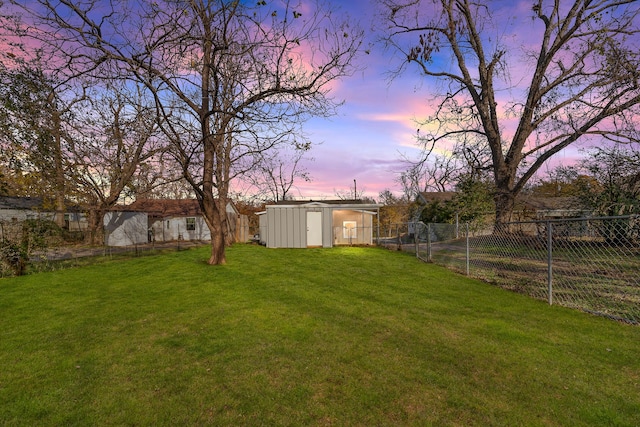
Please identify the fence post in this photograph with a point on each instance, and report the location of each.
(416, 233)
(550, 261)
(466, 232)
(457, 225)
(429, 242)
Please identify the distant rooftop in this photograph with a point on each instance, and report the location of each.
(166, 207)
(33, 203)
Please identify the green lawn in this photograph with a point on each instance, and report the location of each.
(344, 336)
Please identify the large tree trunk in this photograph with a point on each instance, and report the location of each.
(95, 229)
(59, 184)
(214, 221)
(505, 202)
(218, 254)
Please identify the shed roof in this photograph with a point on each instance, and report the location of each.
(334, 204)
(325, 202)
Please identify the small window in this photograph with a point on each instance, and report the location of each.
(349, 229)
(168, 225)
(191, 224)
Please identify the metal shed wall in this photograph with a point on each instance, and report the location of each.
(286, 227)
(327, 227)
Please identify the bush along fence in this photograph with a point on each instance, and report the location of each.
(591, 264)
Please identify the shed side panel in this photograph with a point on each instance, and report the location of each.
(293, 221)
(283, 229)
(271, 228)
(327, 227)
(291, 231)
(276, 228)
(299, 228)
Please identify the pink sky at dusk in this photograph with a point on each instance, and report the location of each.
(376, 127)
(375, 130)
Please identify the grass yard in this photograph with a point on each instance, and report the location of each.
(343, 336)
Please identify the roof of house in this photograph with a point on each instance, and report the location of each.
(21, 203)
(166, 207)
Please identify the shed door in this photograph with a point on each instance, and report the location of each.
(314, 228)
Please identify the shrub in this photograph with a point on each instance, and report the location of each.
(13, 258)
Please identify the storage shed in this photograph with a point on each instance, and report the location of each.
(304, 224)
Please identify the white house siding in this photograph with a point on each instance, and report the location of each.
(7, 215)
(11, 221)
(76, 221)
(125, 228)
(175, 228)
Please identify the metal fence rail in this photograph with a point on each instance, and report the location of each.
(591, 264)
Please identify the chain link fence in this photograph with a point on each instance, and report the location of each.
(591, 264)
(37, 244)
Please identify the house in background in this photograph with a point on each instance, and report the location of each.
(15, 210)
(165, 220)
(22, 208)
(547, 208)
(303, 224)
(173, 219)
(75, 220)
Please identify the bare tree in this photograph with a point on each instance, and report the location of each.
(431, 173)
(158, 178)
(275, 172)
(227, 76)
(353, 193)
(119, 136)
(574, 76)
(394, 210)
(469, 159)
